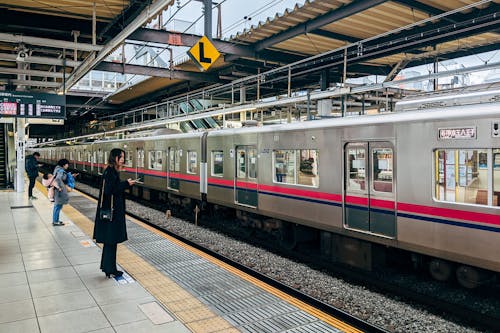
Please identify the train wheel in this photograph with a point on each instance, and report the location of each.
(471, 277)
(440, 270)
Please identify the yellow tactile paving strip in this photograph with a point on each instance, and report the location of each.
(194, 314)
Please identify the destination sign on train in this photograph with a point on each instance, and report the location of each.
(203, 53)
(457, 133)
(32, 105)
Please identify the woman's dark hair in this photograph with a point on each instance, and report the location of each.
(113, 154)
(46, 175)
(63, 162)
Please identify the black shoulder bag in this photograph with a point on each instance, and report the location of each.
(106, 215)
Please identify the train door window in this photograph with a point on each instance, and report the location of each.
(155, 160)
(140, 158)
(284, 166)
(84, 166)
(356, 164)
(71, 156)
(496, 177)
(128, 158)
(252, 163)
(217, 163)
(308, 168)
(105, 160)
(241, 163)
(79, 156)
(462, 175)
(171, 159)
(174, 159)
(382, 160)
(192, 161)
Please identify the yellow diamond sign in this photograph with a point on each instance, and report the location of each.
(203, 53)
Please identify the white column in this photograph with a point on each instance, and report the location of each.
(20, 140)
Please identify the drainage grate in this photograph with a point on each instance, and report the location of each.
(20, 207)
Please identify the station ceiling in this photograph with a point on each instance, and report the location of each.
(382, 32)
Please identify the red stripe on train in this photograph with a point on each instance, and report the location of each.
(450, 213)
(302, 193)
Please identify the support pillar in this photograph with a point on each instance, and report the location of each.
(20, 139)
(207, 4)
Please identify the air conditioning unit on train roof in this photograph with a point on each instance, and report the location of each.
(450, 98)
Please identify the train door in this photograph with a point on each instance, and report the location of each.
(173, 168)
(245, 182)
(369, 197)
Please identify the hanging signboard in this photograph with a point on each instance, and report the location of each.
(32, 105)
(203, 53)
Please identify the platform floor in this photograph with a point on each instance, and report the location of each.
(50, 281)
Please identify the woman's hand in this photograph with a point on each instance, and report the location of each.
(131, 182)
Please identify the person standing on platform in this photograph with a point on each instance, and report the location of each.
(61, 191)
(31, 167)
(112, 231)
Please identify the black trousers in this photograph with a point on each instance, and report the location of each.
(108, 259)
(31, 185)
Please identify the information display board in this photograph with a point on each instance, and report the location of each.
(32, 105)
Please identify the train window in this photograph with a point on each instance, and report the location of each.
(308, 167)
(174, 159)
(496, 177)
(71, 156)
(462, 175)
(382, 169)
(252, 163)
(356, 166)
(155, 160)
(105, 161)
(140, 158)
(128, 158)
(79, 156)
(192, 161)
(100, 157)
(217, 163)
(241, 163)
(284, 166)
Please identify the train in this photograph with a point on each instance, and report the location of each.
(424, 180)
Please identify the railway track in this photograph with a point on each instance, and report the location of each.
(471, 315)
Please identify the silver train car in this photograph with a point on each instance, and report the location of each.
(425, 182)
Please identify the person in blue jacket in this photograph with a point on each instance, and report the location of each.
(112, 195)
(31, 166)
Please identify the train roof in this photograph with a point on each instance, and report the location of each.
(482, 110)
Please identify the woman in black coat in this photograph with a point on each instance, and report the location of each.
(112, 195)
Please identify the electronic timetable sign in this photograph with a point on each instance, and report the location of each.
(32, 105)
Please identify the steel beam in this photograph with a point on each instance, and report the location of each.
(40, 60)
(320, 21)
(147, 14)
(156, 72)
(232, 51)
(30, 83)
(335, 35)
(30, 72)
(60, 44)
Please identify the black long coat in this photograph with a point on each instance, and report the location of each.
(115, 231)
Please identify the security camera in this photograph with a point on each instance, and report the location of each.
(21, 56)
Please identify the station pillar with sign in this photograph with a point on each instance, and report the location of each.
(23, 108)
(20, 141)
